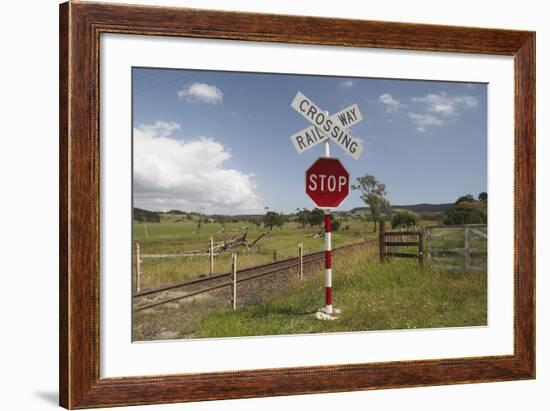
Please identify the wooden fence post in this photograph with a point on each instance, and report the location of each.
(381, 230)
(301, 256)
(138, 268)
(211, 255)
(467, 258)
(234, 278)
(420, 247)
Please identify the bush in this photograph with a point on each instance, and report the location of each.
(468, 198)
(316, 217)
(467, 213)
(404, 219)
(336, 225)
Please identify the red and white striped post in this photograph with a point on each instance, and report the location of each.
(328, 250)
(328, 263)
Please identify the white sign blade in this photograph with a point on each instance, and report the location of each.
(311, 136)
(326, 125)
(348, 117)
(307, 138)
(307, 108)
(349, 144)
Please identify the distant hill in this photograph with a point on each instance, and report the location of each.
(176, 212)
(140, 215)
(143, 216)
(418, 208)
(426, 207)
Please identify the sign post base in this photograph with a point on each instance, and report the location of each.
(322, 314)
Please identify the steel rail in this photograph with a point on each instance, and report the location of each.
(272, 269)
(243, 271)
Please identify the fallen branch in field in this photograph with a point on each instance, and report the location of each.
(231, 243)
(240, 241)
(258, 239)
(319, 234)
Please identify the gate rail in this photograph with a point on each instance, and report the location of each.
(391, 243)
(457, 253)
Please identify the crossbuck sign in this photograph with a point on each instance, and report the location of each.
(325, 126)
(327, 181)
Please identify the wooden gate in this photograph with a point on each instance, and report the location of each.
(404, 244)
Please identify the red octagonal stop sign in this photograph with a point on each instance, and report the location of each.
(327, 182)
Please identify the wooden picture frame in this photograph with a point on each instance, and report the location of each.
(80, 27)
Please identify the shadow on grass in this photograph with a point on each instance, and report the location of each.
(289, 310)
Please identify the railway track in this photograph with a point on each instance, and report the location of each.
(174, 292)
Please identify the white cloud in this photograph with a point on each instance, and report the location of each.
(442, 104)
(190, 175)
(466, 101)
(424, 120)
(439, 109)
(201, 93)
(160, 128)
(391, 103)
(346, 84)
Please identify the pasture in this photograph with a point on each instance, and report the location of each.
(399, 294)
(183, 237)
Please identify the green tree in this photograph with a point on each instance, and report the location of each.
(373, 194)
(404, 219)
(466, 212)
(468, 198)
(272, 218)
(482, 196)
(316, 217)
(302, 217)
(281, 221)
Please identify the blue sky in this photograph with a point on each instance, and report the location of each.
(219, 142)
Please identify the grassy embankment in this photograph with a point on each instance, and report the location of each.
(397, 295)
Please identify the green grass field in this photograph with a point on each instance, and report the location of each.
(397, 295)
(180, 237)
(372, 296)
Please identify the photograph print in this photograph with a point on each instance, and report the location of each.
(282, 204)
